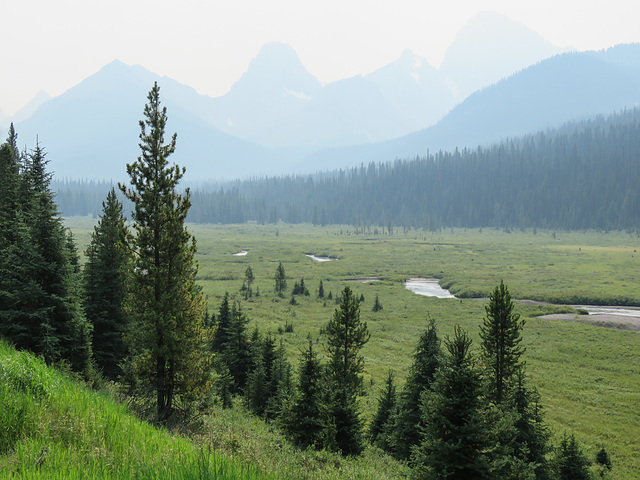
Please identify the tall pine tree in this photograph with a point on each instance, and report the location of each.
(346, 335)
(168, 340)
(105, 274)
(501, 349)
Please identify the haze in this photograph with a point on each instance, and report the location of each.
(52, 46)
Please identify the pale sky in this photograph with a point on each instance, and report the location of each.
(52, 45)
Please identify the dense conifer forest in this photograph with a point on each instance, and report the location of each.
(581, 176)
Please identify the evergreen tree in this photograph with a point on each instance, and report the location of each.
(257, 388)
(40, 304)
(380, 427)
(603, 461)
(303, 420)
(454, 434)
(531, 440)
(249, 278)
(346, 335)
(321, 290)
(237, 353)
(280, 279)
(280, 383)
(426, 361)
(165, 304)
(377, 306)
(105, 274)
(223, 325)
(9, 189)
(570, 462)
(501, 349)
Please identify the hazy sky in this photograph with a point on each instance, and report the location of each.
(52, 45)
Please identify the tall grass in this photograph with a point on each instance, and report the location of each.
(51, 427)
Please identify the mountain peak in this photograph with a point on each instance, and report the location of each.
(491, 47)
(275, 53)
(276, 68)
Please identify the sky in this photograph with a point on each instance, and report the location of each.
(53, 45)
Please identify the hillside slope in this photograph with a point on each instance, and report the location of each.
(51, 427)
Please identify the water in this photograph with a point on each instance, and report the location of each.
(429, 287)
(623, 312)
(319, 259)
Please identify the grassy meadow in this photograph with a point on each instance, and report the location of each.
(588, 376)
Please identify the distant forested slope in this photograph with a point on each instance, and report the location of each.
(583, 175)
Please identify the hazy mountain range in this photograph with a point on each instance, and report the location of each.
(278, 117)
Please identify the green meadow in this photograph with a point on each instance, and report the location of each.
(588, 376)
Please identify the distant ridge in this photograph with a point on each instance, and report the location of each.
(299, 126)
(566, 87)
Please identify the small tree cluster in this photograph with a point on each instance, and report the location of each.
(300, 288)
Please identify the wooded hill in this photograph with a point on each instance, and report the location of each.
(581, 176)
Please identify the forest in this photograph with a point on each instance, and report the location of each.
(580, 176)
(134, 317)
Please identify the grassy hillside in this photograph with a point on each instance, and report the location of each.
(51, 427)
(588, 376)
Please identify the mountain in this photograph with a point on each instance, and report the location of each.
(278, 103)
(566, 87)
(29, 109)
(91, 131)
(489, 48)
(275, 88)
(415, 89)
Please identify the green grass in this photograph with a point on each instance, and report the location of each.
(53, 428)
(588, 376)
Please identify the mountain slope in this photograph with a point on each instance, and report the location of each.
(51, 427)
(274, 88)
(565, 87)
(415, 89)
(489, 48)
(91, 131)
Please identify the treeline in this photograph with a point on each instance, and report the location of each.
(581, 176)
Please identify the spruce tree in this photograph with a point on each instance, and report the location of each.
(280, 279)
(454, 436)
(346, 335)
(223, 325)
(9, 189)
(377, 306)
(165, 304)
(237, 352)
(303, 421)
(280, 383)
(40, 299)
(501, 337)
(570, 461)
(380, 427)
(531, 440)
(426, 361)
(105, 274)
